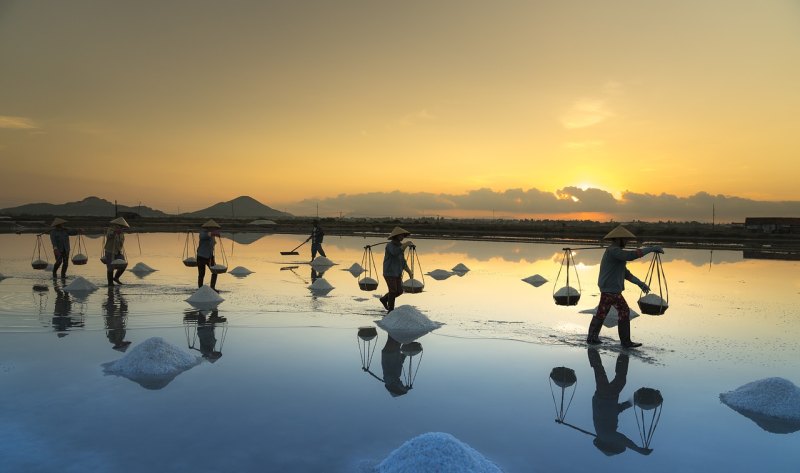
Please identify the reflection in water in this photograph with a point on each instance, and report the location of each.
(399, 361)
(63, 318)
(201, 334)
(115, 316)
(606, 406)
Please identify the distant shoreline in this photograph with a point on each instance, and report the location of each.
(692, 235)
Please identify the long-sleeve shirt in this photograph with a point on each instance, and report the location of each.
(205, 249)
(394, 261)
(614, 270)
(114, 242)
(317, 235)
(59, 237)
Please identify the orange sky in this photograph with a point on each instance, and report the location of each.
(183, 104)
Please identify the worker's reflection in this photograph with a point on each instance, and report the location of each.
(115, 316)
(392, 363)
(606, 406)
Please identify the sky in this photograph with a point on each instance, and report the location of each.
(543, 109)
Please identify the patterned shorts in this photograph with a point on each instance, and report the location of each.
(609, 300)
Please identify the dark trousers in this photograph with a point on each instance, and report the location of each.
(61, 258)
(201, 271)
(110, 273)
(395, 287)
(316, 248)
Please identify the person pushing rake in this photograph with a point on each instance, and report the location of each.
(613, 273)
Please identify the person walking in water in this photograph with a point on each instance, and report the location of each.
(205, 252)
(316, 237)
(115, 249)
(613, 273)
(59, 237)
(394, 263)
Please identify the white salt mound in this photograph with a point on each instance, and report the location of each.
(778, 398)
(142, 268)
(407, 317)
(240, 271)
(440, 274)
(153, 357)
(566, 291)
(2, 276)
(412, 284)
(322, 261)
(612, 318)
(536, 280)
(205, 295)
(80, 284)
(436, 452)
(653, 299)
(460, 268)
(320, 285)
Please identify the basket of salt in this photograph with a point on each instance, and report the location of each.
(219, 269)
(189, 251)
(367, 284)
(367, 333)
(567, 296)
(563, 377)
(647, 398)
(657, 301)
(413, 286)
(39, 258)
(190, 262)
(652, 304)
(80, 259)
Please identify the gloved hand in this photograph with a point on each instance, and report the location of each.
(406, 244)
(654, 249)
(644, 287)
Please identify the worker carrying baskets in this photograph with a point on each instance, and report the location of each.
(114, 250)
(613, 273)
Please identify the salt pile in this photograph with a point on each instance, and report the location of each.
(460, 268)
(205, 297)
(80, 284)
(356, 269)
(240, 271)
(440, 274)
(439, 452)
(413, 285)
(152, 363)
(322, 261)
(653, 299)
(536, 280)
(321, 286)
(612, 318)
(2, 276)
(142, 268)
(406, 324)
(772, 403)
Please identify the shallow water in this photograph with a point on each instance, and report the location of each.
(288, 392)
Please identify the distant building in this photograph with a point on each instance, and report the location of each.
(772, 224)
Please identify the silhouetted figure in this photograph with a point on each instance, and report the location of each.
(611, 281)
(394, 263)
(392, 363)
(59, 237)
(62, 311)
(316, 237)
(206, 335)
(115, 249)
(606, 406)
(115, 317)
(205, 252)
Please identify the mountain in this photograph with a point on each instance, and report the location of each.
(88, 207)
(240, 207)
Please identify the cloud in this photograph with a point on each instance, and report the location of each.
(17, 123)
(565, 201)
(585, 113)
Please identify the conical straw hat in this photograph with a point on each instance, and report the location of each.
(211, 224)
(121, 222)
(398, 231)
(619, 232)
(58, 221)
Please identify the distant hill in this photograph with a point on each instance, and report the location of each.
(88, 207)
(240, 207)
